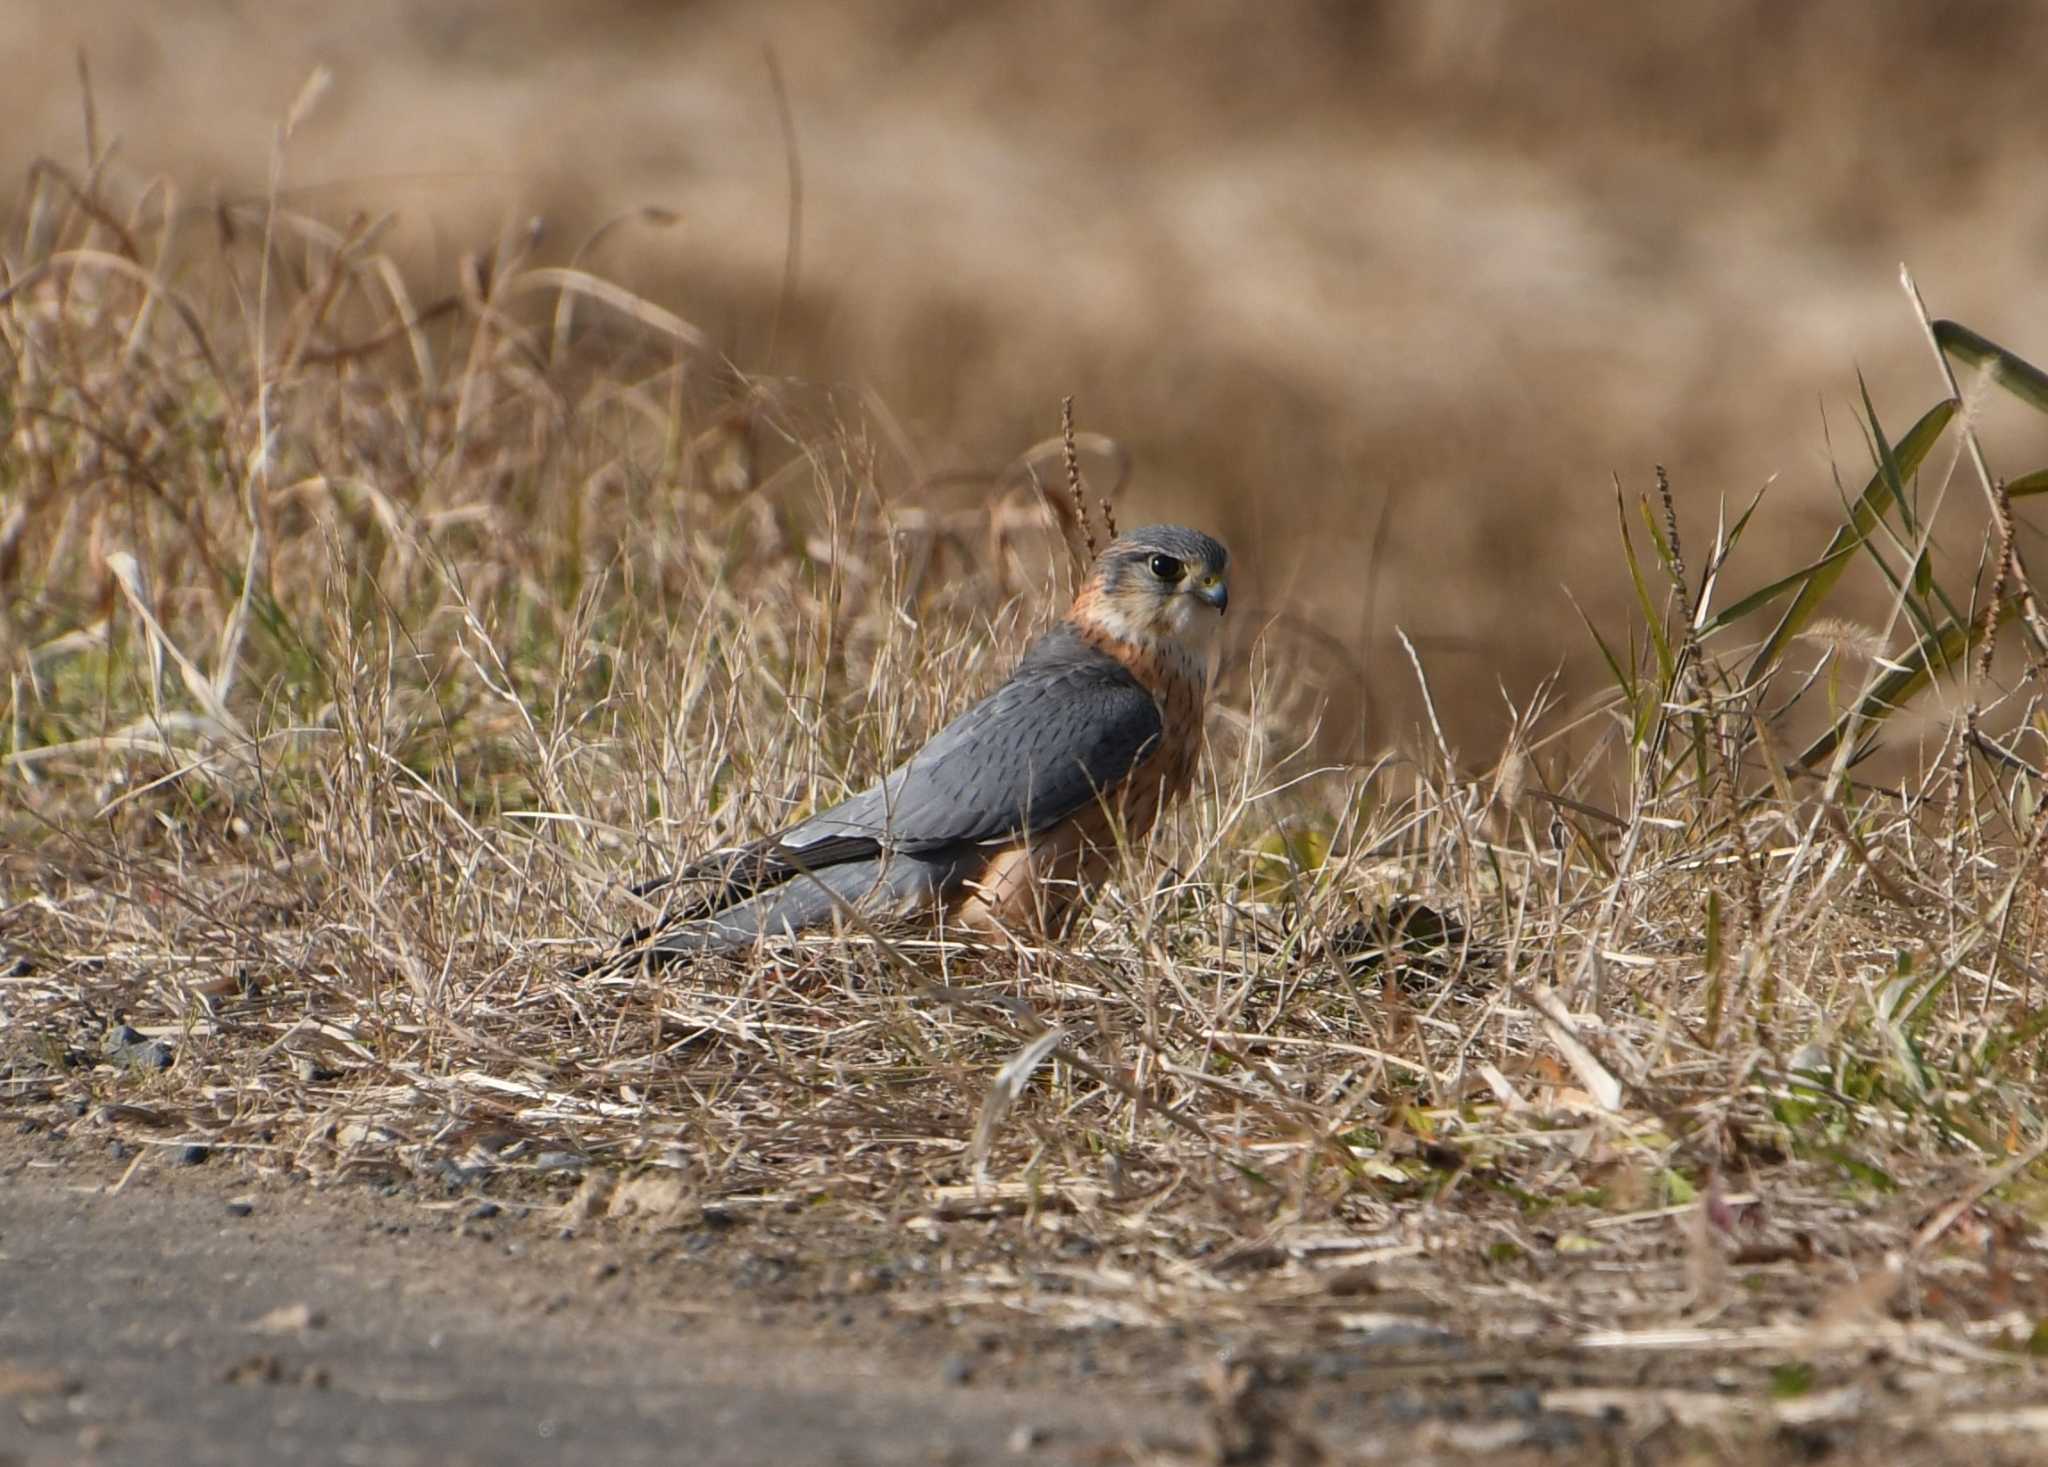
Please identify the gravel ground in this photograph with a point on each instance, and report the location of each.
(180, 1318)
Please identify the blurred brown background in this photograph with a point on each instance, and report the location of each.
(1454, 262)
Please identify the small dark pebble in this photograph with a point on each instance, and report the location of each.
(1812, 1443)
(21, 967)
(120, 1150)
(30, 1126)
(956, 1370)
(454, 1178)
(126, 1046)
(484, 1211)
(1443, 1158)
(240, 1209)
(1027, 1437)
(190, 1154)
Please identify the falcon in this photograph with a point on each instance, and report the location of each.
(1012, 809)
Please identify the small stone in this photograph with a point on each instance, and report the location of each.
(455, 1179)
(127, 1046)
(484, 1211)
(353, 1133)
(240, 1207)
(1027, 1436)
(289, 1319)
(264, 1369)
(192, 1153)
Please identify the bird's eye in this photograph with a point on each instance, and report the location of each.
(1167, 568)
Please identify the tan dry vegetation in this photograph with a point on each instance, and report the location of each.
(368, 630)
(1457, 264)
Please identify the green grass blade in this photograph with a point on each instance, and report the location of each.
(1622, 678)
(1887, 461)
(1903, 459)
(1653, 617)
(2016, 375)
(1921, 572)
(2025, 484)
(1666, 556)
(1764, 596)
(1734, 536)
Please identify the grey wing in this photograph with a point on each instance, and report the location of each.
(1065, 731)
(1031, 754)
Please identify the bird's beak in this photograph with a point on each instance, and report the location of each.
(1216, 592)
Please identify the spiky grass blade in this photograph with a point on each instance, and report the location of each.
(1901, 460)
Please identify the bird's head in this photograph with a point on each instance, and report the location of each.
(1161, 581)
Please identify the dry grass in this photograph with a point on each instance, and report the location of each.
(1380, 293)
(364, 645)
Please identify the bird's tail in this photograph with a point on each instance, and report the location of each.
(882, 887)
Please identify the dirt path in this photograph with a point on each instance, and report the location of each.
(163, 1322)
(151, 1312)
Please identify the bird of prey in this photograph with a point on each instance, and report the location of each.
(1014, 806)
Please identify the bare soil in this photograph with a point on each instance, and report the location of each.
(163, 1313)
(147, 1322)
